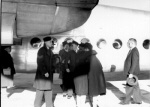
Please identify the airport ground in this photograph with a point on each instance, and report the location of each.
(23, 94)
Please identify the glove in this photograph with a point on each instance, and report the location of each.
(67, 70)
(46, 75)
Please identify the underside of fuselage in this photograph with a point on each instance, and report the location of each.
(106, 24)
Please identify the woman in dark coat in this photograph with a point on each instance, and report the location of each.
(80, 75)
(97, 83)
(64, 65)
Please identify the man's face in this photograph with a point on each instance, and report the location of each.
(49, 43)
(130, 44)
(75, 47)
(66, 47)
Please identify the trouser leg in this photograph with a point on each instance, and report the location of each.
(70, 92)
(83, 99)
(38, 98)
(48, 98)
(129, 92)
(95, 101)
(10, 81)
(137, 94)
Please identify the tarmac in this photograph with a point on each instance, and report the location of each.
(23, 93)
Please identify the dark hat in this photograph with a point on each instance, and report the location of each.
(89, 46)
(74, 42)
(82, 45)
(70, 44)
(47, 39)
(132, 81)
(64, 43)
(4, 47)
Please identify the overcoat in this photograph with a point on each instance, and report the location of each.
(80, 73)
(44, 65)
(7, 61)
(131, 64)
(97, 83)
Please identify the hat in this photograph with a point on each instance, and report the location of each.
(74, 42)
(64, 43)
(132, 81)
(82, 45)
(89, 46)
(47, 39)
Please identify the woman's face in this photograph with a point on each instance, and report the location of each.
(66, 47)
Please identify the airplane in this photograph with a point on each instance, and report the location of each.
(106, 24)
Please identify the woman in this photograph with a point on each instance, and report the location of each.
(80, 75)
(96, 79)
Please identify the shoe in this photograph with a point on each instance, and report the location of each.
(136, 102)
(123, 103)
(69, 97)
(64, 95)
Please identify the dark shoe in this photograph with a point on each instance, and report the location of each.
(69, 97)
(123, 103)
(136, 102)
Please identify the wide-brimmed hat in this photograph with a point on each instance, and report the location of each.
(132, 81)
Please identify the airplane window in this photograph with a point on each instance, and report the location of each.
(101, 43)
(85, 40)
(55, 42)
(146, 44)
(68, 40)
(35, 42)
(117, 44)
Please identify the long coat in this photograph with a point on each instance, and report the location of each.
(81, 72)
(97, 83)
(7, 61)
(44, 65)
(131, 64)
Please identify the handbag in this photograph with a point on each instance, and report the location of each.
(55, 76)
(7, 71)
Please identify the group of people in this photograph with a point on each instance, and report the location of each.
(81, 73)
(80, 70)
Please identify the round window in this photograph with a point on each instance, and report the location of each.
(69, 40)
(117, 44)
(146, 44)
(35, 42)
(55, 42)
(85, 40)
(101, 43)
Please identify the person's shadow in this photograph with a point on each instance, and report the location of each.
(29, 87)
(119, 94)
(20, 89)
(145, 95)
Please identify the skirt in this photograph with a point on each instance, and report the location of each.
(81, 85)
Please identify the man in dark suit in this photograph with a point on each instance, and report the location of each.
(131, 67)
(44, 74)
